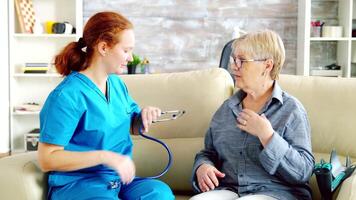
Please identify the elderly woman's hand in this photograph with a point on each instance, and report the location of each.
(149, 114)
(256, 125)
(207, 176)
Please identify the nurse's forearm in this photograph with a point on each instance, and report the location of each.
(55, 158)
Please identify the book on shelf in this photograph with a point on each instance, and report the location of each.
(27, 108)
(36, 64)
(36, 68)
(41, 70)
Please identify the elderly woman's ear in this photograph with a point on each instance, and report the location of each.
(269, 66)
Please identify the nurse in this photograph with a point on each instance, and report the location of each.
(85, 142)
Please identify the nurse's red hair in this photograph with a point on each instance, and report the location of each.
(103, 26)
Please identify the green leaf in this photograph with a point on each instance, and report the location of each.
(136, 60)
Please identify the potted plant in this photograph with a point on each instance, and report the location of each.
(131, 66)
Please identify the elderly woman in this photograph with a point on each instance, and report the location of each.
(258, 144)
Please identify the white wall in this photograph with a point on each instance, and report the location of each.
(4, 78)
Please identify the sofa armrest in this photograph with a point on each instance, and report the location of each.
(21, 178)
(347, 189)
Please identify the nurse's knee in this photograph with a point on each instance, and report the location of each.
(160, 190)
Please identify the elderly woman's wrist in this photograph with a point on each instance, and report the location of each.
(266, 137)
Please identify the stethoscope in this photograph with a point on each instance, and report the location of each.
(137, 129)
(165, 116)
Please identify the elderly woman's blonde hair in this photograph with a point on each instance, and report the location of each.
(264, 44)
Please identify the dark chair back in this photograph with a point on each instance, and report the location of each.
(225, 57)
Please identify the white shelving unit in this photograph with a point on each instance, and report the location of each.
(4, 80)
(24, 48)
(345, 45)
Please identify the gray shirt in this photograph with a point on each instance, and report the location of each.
(281, 169)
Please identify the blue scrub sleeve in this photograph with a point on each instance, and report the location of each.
(134, 107)
(58, 119)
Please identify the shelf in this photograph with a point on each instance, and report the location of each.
(25, 35)
(25, 113)
(329, 73)
(328, 39)
(34, 75)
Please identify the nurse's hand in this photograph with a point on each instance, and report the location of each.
(207, 176)
(122, 164)
(148, 115)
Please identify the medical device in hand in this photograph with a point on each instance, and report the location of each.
(138, 129)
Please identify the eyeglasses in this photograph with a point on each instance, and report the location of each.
(238, 62)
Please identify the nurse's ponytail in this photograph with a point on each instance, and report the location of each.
(72, 58)
(103, 26)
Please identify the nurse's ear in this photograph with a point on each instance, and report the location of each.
(103, 48)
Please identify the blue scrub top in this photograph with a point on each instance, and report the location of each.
(79, 117)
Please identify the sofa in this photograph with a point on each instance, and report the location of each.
(330, 103)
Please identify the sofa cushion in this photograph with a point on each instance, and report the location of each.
(150, 159)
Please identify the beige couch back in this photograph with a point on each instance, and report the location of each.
(331, 107)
